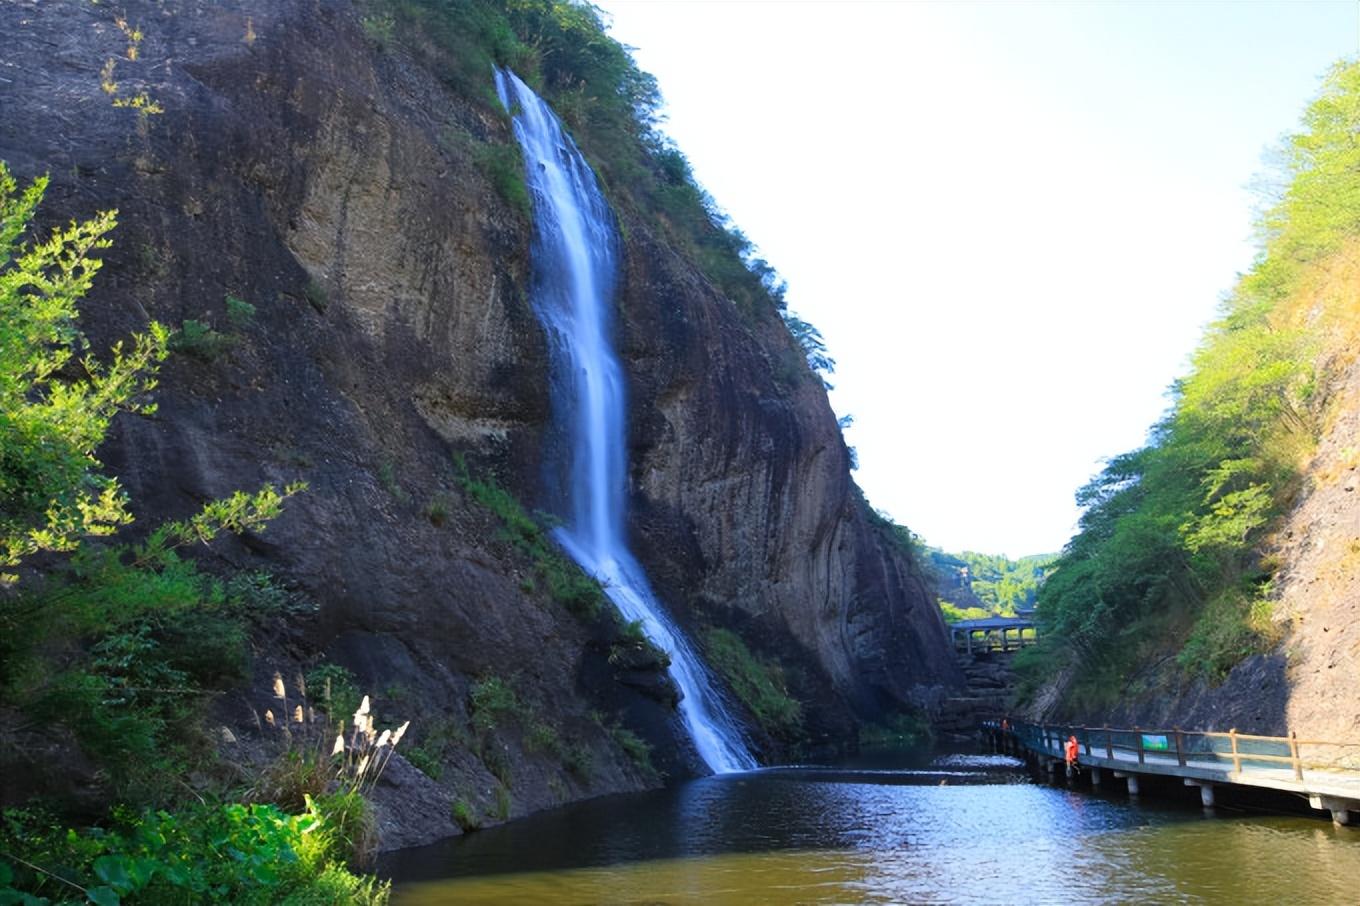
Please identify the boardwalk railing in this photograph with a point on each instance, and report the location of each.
(1327, 772)
(1240, 751)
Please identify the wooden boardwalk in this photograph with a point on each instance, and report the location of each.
(1327, 774)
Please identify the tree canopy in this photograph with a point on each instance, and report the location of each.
(57, 400)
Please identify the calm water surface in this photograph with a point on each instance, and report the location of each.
(956, 829)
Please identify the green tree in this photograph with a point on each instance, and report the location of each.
(57, 400)
(1168, 553)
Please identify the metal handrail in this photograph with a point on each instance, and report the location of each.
(1289, 752)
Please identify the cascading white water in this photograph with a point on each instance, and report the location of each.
(575, 260)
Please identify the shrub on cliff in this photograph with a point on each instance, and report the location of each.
(757, 682)
(56, 402)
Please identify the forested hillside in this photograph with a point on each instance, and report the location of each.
(972, 585)
(1188, 547)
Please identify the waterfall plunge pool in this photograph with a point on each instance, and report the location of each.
(942, 828)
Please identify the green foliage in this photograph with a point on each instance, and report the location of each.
(1171, 533)
(632, 633)
(228, 853)
(897, 731)
(379, 28)
(464, 817)
(635, 747)
(503, 167)
(542, 737)
(578, 759)
(758, 683)
(334, 690)
(125, 646)
(437, 740)
(349, 827)
(1232, 626)
(239, 312)
(56, 404)
(437, 511)
(492, 701)
(1001, 584)
(425, 761)
(1320, 207)
(241, 512)
(564, 580)
(633, 647)
(198, 339)
(809, 339)
(954, 614)
(301, 773)
(259, 594)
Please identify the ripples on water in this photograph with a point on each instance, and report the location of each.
(960, 829)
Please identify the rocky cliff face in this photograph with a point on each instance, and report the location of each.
(335, 185)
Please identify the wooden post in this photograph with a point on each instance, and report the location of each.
(1237, 759)
(1180, 749)
(1138, 737)
(1109, 744)
(1294, 756)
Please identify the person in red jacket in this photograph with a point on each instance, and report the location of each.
(1070, 750)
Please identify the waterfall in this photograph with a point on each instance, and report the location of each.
(575, 261)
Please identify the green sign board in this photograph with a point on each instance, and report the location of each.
(1155, 743)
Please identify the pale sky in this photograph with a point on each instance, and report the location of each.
(1010, 221)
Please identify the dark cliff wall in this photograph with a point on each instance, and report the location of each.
(744, 500)
(336, 186)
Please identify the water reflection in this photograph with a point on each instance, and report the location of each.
(868, 834)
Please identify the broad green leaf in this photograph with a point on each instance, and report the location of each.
(103, 896)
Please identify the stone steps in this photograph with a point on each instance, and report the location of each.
(988, 684)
